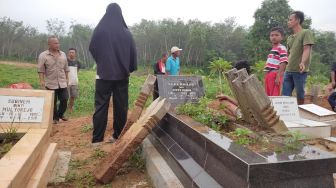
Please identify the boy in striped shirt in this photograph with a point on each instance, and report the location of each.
(276, 63)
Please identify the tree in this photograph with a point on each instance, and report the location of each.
(325, 45)
(55, 27)
(271, 14)
(220, 66)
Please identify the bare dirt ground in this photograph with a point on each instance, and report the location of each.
(73, 136)
(18, 64)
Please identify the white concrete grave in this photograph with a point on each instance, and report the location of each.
(317, 113)
(30, 161)
(288, 111)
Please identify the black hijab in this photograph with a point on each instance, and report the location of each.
(112, 46)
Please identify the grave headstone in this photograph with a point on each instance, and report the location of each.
(180, 89)
(26, 108)
(286, 108)
(21, 109)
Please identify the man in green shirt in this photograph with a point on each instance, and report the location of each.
(299, 46)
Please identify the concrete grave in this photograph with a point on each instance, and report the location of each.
(288, 111)
(317, 113)
(180, 89)
(30, 161)
(202, 157)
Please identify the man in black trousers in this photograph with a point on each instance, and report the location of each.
(113, 48)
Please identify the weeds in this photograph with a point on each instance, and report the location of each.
(136, 160)
(201, 113)
(86, 128)
(85, 179)
(10, 137)
(98, 154)
(242, 136)
(293, 141)
(5, 148)
(76, 163)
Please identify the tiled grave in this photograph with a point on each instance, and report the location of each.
(201, 157)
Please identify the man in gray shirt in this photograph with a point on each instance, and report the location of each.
(53, 73)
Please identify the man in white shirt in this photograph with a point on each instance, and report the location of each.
(74, 67)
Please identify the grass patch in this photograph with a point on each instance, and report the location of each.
(84, 104)
(86, 128)
(242, 136)
(201, 113)
(76, 163)
(98, 154)
(137, 161)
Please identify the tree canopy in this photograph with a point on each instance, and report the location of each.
(202, 42)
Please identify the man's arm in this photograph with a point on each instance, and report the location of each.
(332, 75)
(305, 57)
(280, 72)
(66, 70)
(42, 82)
(41, 69)
(168, 67)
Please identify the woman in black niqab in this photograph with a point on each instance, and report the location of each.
(112, 46)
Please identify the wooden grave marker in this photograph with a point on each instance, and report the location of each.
(140, 102)
(123, 149)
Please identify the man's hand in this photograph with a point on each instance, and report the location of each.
(42, 85)
(277, 80)
(302, 67)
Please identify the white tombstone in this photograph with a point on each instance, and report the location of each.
(288, 111)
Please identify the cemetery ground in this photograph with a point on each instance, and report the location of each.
(75, 135)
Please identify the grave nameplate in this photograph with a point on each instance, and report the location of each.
(21, 109)
(286, 108)
(180, 89)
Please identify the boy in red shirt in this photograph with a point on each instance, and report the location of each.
(276, 63)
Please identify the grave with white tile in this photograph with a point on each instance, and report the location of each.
(288, 110)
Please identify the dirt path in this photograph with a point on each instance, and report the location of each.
(75, 136)
(18, 64)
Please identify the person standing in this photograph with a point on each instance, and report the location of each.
(276, 63)
(173, 62)
(159, 66)
(113, 49)
(159, 69)
(332, 96)
(53, 74)
(299, 47)
(74, 66)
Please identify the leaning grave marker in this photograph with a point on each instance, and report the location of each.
(31, 159)
(180, 89)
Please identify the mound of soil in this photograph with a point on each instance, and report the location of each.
(73, 136)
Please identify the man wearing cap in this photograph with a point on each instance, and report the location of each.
(173, 62)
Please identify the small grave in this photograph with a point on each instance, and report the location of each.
(288, 110)
(31, 159)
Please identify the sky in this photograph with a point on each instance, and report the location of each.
(36, 12)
